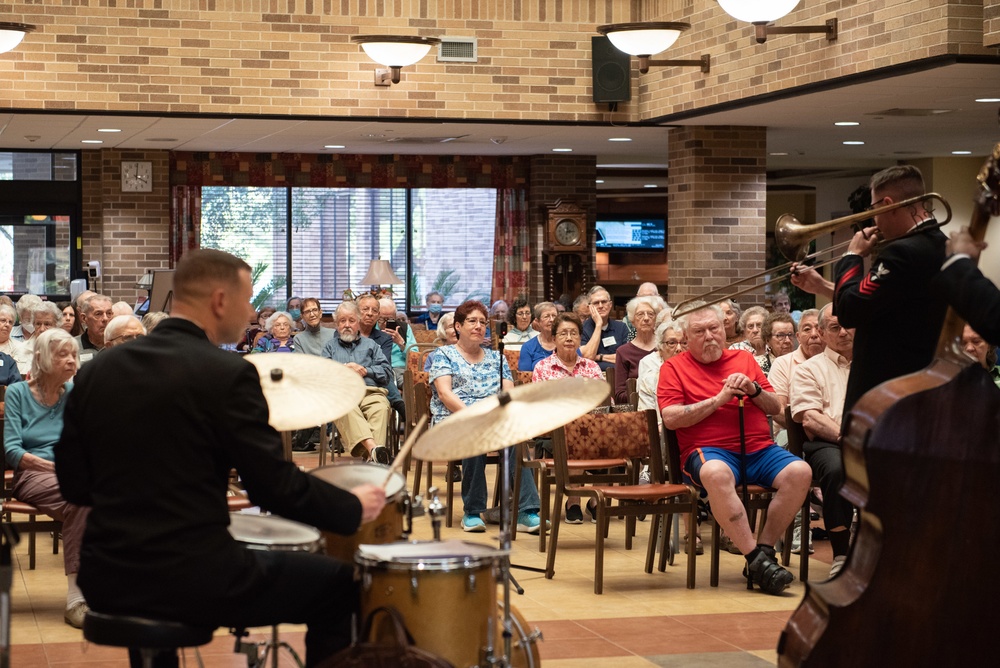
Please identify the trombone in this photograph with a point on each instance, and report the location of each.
(793, 237)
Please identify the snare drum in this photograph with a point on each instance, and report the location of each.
(268, 532)
(445, 591)
(387, 527)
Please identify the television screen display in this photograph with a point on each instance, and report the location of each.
(631, 234)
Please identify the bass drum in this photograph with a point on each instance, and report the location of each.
(523, 643)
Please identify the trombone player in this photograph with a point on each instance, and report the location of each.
(896, 313)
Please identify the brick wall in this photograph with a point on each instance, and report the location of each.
(991, 23)
(717, 208)
(295, 56)
(555, 178)
(127, 232)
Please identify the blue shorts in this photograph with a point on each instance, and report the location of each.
(763, 466)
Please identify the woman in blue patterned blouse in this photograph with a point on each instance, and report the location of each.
(461, 375)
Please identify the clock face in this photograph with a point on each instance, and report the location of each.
(568, 232)
(137, 176)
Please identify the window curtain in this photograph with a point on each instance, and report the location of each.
(511, 262)
(185, 221)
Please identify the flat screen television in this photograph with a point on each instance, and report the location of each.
(627, 233)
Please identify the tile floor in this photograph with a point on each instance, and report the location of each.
(640, 621)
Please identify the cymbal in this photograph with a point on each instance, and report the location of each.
(532, 410)
(303, 391)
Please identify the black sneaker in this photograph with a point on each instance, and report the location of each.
(456, 474)
(380, 455)
(767, 573)
(574, 515)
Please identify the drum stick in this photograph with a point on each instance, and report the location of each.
(405, 450)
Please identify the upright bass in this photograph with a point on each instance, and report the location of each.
(922, 464)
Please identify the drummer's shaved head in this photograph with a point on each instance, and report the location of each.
(201, 271)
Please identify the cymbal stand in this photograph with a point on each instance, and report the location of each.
(435, 509)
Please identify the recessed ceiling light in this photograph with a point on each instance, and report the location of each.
(334, 146)
(847, 123)
(599, 181)
(620, 139)
(988, 99)
(778, 153)
(649, 185)
(91, 141)
(108, 130)
(961, 152)
(562, 150)
(854, 143)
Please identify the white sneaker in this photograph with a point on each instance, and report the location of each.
(837, 565)
(797, 540)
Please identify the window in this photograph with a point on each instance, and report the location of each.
(34, 254)
(37, 166)
(318, 242)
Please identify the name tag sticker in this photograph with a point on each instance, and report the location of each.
(608, 341)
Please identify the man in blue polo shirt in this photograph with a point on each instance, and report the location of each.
(601, 334)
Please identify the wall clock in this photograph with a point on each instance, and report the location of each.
(137, 176)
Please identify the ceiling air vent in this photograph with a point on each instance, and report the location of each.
(457, 50)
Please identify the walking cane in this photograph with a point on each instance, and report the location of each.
(743, 471)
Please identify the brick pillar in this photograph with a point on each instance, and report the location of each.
(717, 195)
(553, 178)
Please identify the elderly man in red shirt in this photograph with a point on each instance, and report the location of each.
(698, 395)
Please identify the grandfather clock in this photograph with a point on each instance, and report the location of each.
(566, 249)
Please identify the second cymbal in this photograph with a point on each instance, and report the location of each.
(500, 421)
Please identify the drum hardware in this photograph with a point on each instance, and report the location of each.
(494, 423)
(436, 510)
(271, 533)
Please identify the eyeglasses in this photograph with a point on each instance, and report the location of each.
(567, 334)
(476, 321)
(783, 335)
(310, 311)
(523, 314)
(876, 205)
(673, 343)
(125, 338)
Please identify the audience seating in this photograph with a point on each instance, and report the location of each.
(758, 500)
(9, 506)
(589, 442)
(796, 438)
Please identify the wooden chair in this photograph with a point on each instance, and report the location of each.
(609, 377)
(758, 499)
(31, 525)
(796, 437)
(424, 335)
(633, 392)
(513, 357)
(631, 437)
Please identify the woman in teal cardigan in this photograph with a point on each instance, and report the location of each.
(34, 420)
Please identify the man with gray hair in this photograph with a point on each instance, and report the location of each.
(363, 430)
(122, 329)
(703, 395)
(601, 333)
(817, 401)
(402, 337)
(96, 313)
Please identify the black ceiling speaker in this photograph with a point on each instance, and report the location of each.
(612, 79)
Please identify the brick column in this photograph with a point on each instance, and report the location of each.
(716, 226)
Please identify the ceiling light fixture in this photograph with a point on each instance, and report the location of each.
(763, 12)
(11, 34)
(643, 40)
(334, 146)
(620, 139)
(854, 143)
(961, 152)
(395, 52)
(91, 141)
(562, 150)
(108, 130)
(988, 99)
(847, 124)
(650, 185)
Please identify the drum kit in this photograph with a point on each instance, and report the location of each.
(446, 591)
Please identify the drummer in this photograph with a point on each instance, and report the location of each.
(462, 374)
(157, 543)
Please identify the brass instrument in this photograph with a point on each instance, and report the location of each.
(793, 239)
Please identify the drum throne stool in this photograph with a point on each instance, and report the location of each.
(151, 643)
